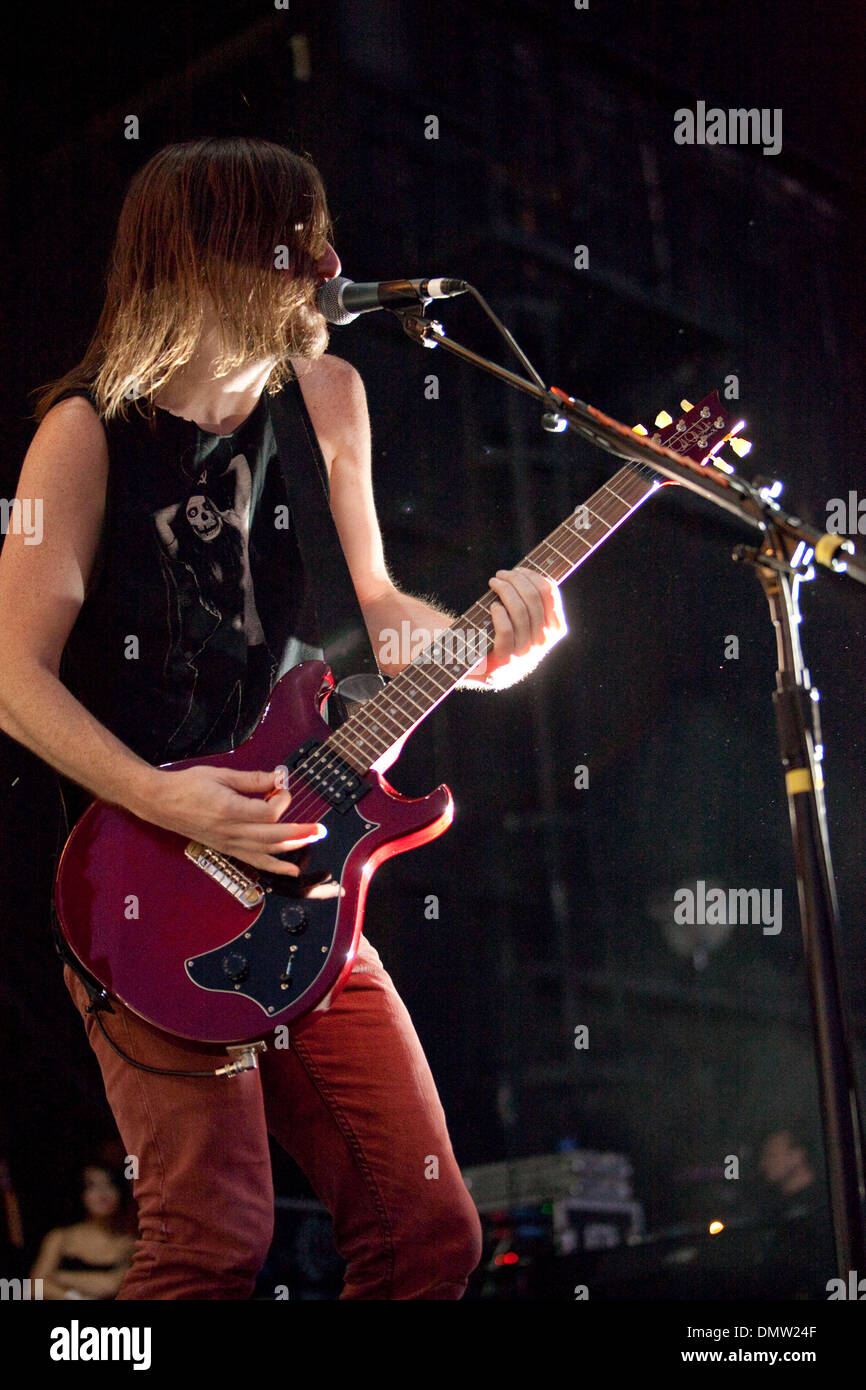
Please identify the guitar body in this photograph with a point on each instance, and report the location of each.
(165, 934)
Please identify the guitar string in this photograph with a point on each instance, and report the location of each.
(382, 705)
(320, 755)
(606, 497)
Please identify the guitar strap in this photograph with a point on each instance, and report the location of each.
(342, 630)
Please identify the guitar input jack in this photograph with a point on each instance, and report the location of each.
(245, 1058)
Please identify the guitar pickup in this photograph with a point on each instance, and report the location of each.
(329, 775)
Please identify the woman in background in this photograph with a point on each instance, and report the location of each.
(89, 1259)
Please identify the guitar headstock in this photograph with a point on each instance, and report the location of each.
(699, 432)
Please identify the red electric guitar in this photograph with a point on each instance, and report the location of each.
(207, 948)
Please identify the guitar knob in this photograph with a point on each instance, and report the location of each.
(236, 966)
(294, 919)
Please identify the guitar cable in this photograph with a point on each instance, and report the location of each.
(99, 998)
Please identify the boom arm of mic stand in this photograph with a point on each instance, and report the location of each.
(728, 491)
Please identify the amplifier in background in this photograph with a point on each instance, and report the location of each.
(579, 1224)
(579, 1174)
(541, 1214)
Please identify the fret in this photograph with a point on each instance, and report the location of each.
(415, 688)
(545, 566)
(625, 483)
(404, 691)
(355, 746)
(619, 506)
(382, 717)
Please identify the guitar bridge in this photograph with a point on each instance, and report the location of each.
(226, 873)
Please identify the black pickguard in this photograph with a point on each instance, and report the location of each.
(260, 963)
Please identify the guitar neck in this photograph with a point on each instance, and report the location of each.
(379, 723)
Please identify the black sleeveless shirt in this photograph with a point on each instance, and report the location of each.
(198, 601)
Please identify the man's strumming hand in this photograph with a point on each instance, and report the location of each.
(227, 810)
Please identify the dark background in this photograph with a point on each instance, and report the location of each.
(555, 130)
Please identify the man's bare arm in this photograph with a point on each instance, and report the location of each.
(42, 588)
(527, 618)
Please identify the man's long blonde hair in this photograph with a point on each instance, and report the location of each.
(206, 215)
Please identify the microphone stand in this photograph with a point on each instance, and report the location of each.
(782, 560)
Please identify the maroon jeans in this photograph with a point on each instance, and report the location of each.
(351, 1100)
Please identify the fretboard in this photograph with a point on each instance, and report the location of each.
(378, 724)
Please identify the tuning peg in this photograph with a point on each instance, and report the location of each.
(686, 405)
(663, 419)
(741, 447)
(639, 429)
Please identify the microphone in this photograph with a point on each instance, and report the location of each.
(341, 300)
